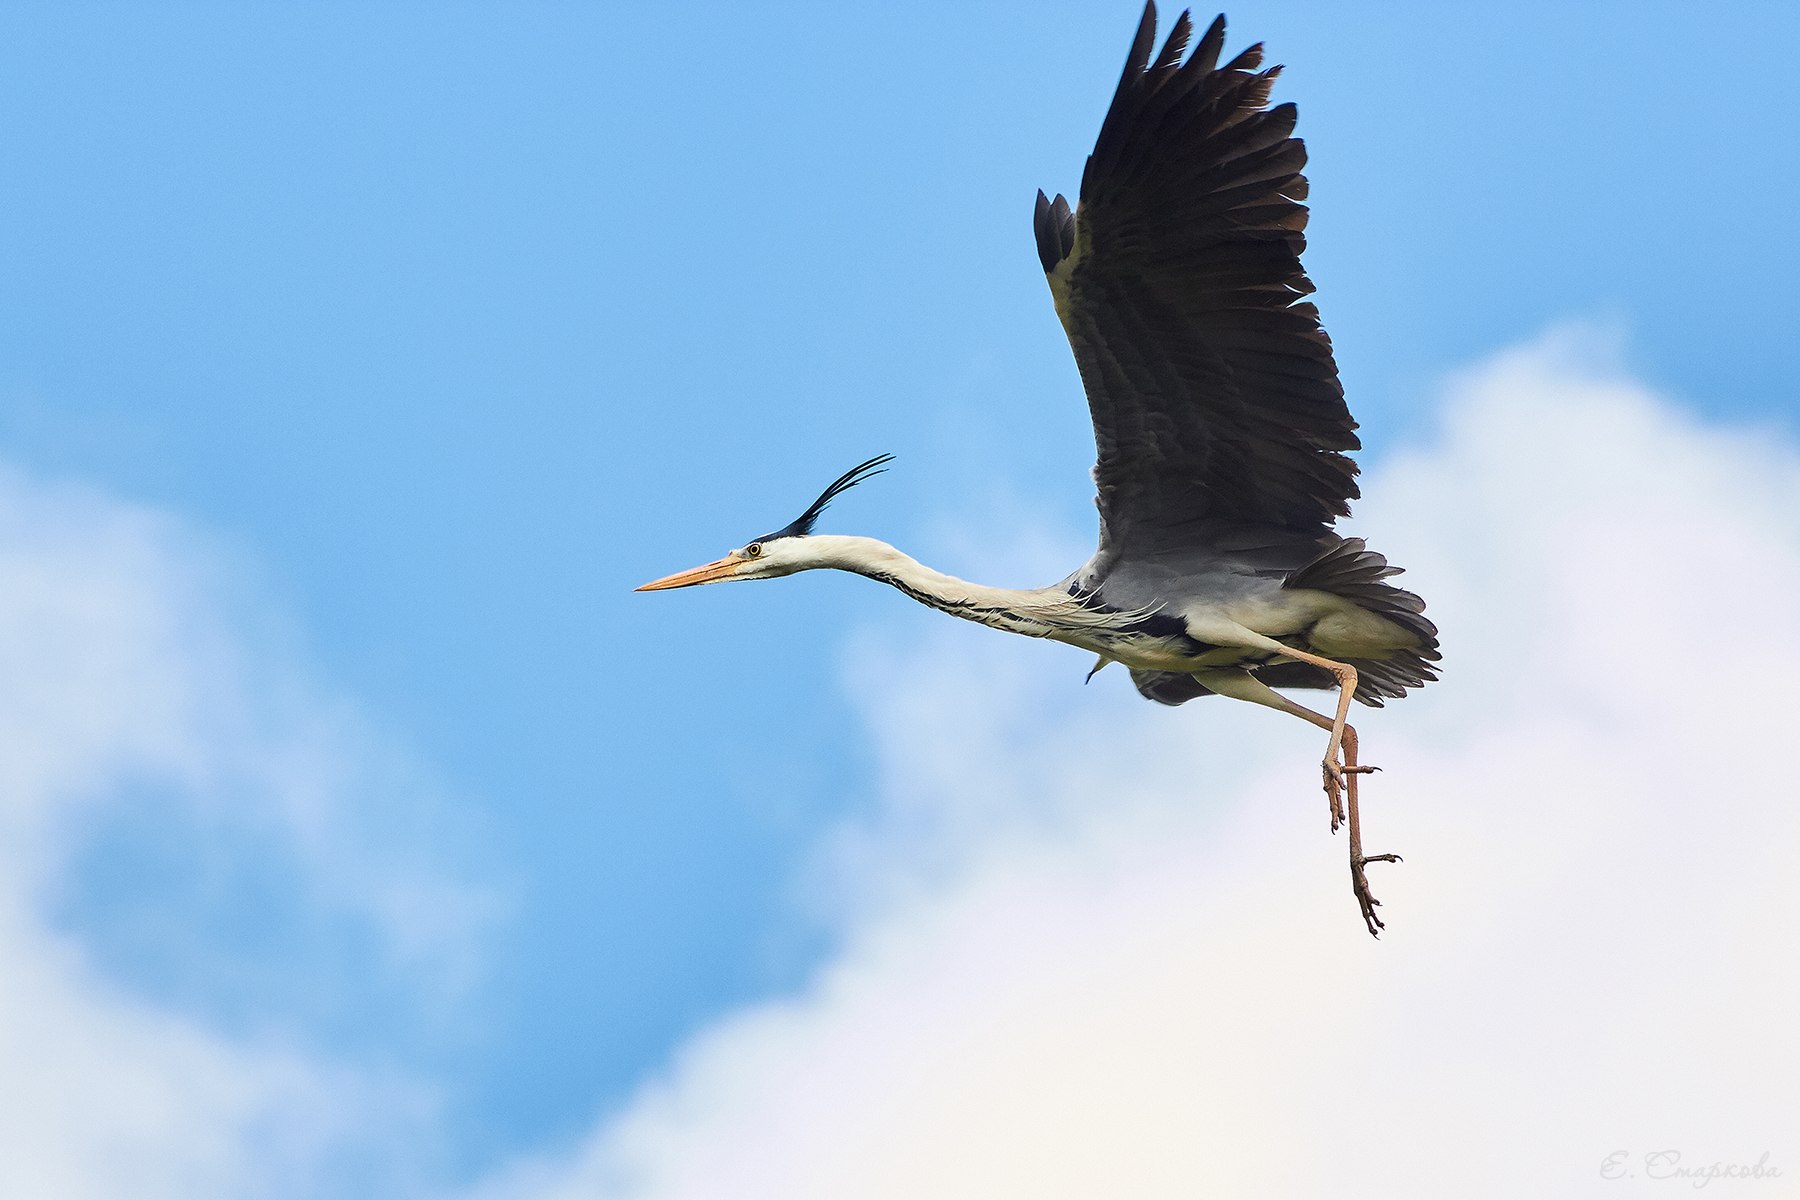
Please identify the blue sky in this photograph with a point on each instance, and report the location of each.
(444, 326)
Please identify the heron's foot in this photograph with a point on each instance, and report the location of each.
(1334, 790)
(1359, 883)
(1334, 773)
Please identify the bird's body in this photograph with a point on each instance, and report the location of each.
(1219, 420)
(1131, 617)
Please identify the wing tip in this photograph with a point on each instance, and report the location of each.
(1053, 225)
(1177, 43)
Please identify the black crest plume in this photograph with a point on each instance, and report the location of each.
(803, 524)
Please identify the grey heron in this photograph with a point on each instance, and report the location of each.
(1220, 424)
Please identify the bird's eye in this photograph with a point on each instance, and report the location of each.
(753, 550)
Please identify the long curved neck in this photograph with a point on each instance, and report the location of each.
(1035, 612)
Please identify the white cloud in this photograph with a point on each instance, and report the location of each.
(138, 672)
(1094, 948)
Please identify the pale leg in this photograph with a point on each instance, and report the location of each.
(1345, 675)
(1240, 685)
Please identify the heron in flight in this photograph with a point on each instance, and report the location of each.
(1219, 420)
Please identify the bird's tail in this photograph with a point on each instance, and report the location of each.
(1351, 570)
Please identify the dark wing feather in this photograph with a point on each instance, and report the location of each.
(1213, 389)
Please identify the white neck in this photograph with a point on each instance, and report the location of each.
(1035, 612)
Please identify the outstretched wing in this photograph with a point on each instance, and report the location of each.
(1213, 389)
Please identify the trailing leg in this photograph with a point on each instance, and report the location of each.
(1341, 784)
(1345, 674)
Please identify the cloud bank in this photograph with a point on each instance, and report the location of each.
(1092, 948)
(1085, 946)
(146, 688)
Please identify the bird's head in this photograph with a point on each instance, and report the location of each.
(774, 554)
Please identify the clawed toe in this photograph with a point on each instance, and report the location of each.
(1334, 791)
(1365, 899)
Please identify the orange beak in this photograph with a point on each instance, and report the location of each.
(712, 572)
